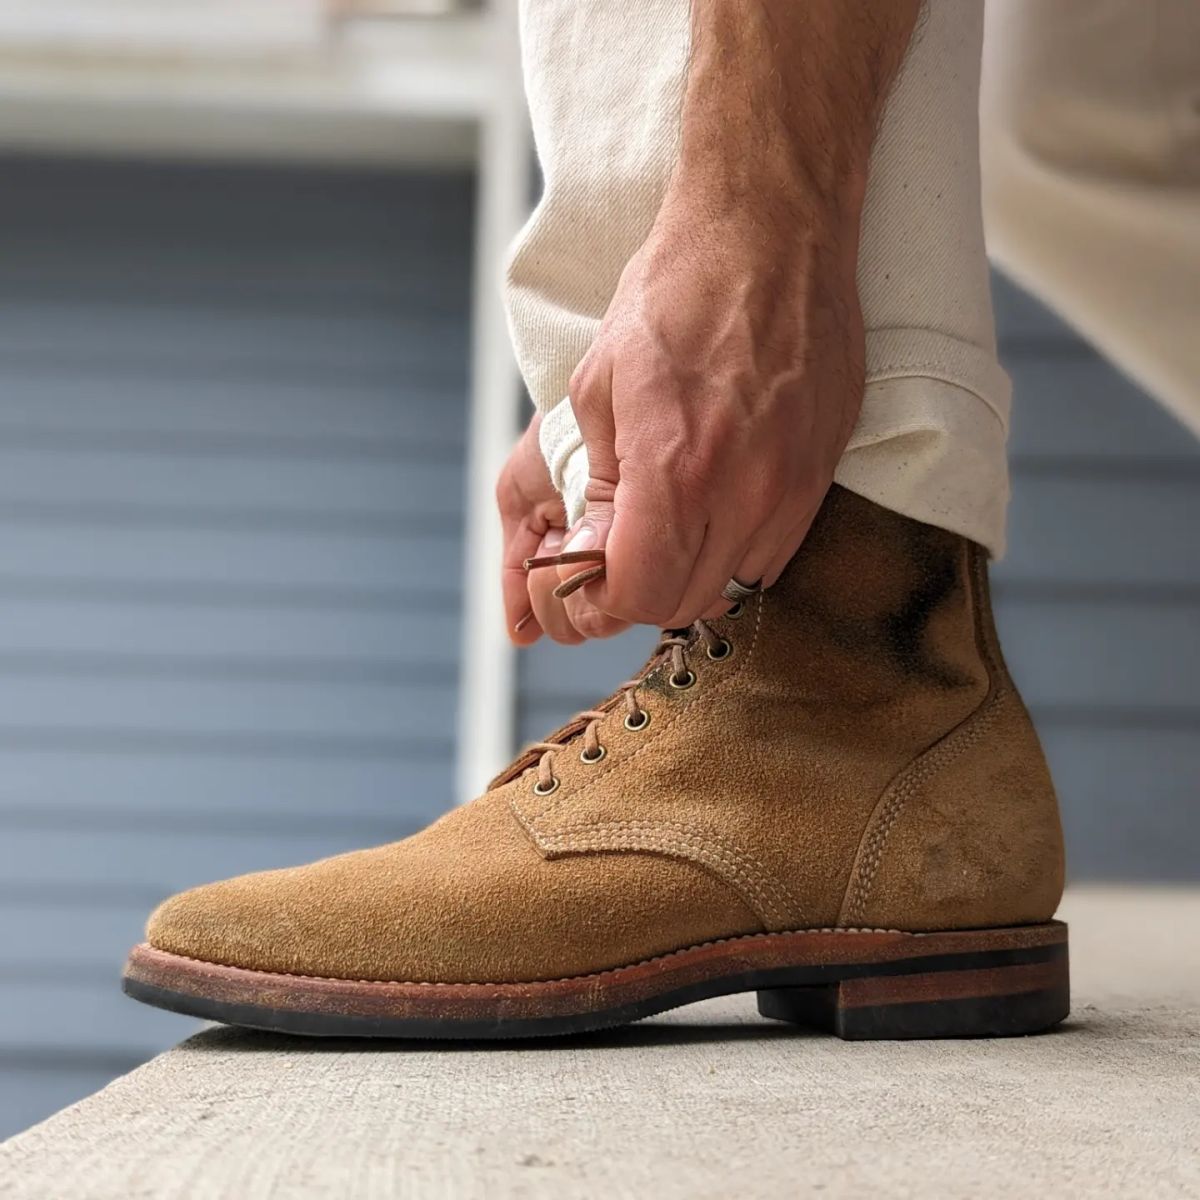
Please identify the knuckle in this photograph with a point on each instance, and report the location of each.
(600, 493)
(581, 387)
(642, 612)
(681, 617)
(691, 468)
(692, 482)
(592, 623)
(508, 494)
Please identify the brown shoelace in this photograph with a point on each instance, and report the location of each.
(568, 586)
(636, 718)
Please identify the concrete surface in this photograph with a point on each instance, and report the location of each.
(709, 1101)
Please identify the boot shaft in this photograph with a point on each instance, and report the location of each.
(879, 622)
(864, 705)
(892, 621)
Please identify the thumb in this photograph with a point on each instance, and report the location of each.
(591, 404)
(590, 532)
(588, 498)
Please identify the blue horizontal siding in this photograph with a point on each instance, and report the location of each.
(232, 423)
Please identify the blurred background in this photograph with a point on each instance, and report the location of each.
(253, 391)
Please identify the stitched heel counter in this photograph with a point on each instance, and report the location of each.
(968, 835)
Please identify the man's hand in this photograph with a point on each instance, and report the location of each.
(531, 513)
(714, 405)
(728, 374)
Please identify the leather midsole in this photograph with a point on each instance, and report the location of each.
(807, 958)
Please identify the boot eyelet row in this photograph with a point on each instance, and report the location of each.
(548, 790)
(723, 649)
(682, 682)
(735, 612)
(592, 759)
(636, 726)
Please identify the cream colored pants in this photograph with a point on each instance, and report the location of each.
(1091, 165)
(605, 84)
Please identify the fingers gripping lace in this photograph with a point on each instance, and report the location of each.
(673, 643)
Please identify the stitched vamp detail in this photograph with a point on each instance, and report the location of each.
(766, 897)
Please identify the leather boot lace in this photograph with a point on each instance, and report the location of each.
(674, 642)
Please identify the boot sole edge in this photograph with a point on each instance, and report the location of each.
(868, 985)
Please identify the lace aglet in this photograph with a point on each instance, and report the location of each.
(564, 559)
(523, 622)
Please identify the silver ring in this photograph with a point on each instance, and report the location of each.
(735, 590)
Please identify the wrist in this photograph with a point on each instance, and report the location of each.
(775, 232)
(775, 172)
(737, 191)
(767, 185)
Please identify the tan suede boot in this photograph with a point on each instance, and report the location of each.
(833, 796)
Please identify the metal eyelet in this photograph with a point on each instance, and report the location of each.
(548, 790)
(736, 611)
(682, 682)
(637, 726)
(723, 649)
(592, 759)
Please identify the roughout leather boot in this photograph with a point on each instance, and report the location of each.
(833, 796)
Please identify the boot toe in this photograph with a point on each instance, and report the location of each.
(468, 900)
(228, 923)
(348, 917)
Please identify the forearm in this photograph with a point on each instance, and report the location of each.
(725, 382)
(782, 102)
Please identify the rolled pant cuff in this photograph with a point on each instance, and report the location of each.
(929, 444)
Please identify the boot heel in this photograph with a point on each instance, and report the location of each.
(1001, 994)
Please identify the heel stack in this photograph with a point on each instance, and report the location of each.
(994, 994)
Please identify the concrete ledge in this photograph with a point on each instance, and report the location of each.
(709, 1101)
